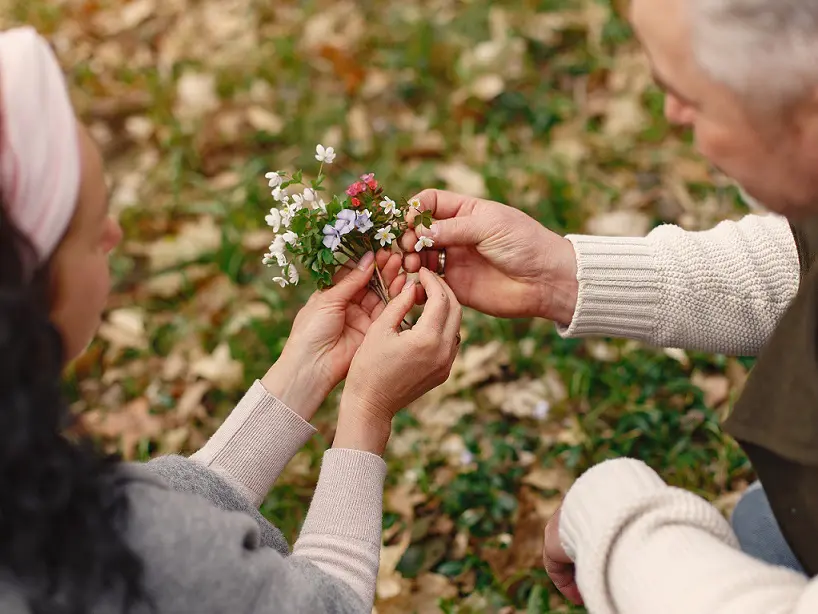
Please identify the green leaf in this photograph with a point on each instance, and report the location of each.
(451, 569)
(327, 255)
(297, 175)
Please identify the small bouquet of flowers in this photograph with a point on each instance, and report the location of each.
(325, 236)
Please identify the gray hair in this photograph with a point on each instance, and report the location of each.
(764, 50)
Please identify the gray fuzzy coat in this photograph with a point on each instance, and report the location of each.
(206, 550)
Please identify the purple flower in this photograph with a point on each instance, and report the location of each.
(332, 238)
(346, 221)
(362, 222)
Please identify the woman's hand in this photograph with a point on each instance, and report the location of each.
(393, 368)
(327, 332)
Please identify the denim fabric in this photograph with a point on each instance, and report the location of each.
(758, 532)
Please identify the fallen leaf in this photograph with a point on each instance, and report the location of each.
(264, 120)
(389, 582)
(130, 425)
(125, 328)
(462, 179)
(549, 478)
(716, 388)
(193, 241)
(195, 96)
(190, 403)
(619, 224)
(219, 368)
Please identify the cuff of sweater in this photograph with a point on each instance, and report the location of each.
(348, 499)
(618, 290)
(597, 499)
(255, 443)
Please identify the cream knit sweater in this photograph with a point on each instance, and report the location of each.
(640, 546)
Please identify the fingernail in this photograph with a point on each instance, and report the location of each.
(410, 283)
(432, 232)
(367, 259)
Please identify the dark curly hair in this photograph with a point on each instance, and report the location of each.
(63, 505)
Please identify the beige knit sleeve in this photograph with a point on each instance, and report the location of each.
(252, 447)
(642, 547)
(722, 290)
(342, 532)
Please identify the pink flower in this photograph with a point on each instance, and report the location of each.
(355, 202)
(356, 188)
(369, 180)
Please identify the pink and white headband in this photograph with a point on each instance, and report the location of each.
(39, 143)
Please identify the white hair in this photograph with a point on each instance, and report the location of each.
(764, 50)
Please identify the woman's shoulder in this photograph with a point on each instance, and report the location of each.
(207, 557)
(172, 482)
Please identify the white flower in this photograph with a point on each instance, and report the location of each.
(280, 281)
(275, 179)
(280, 195)
(414, 203)
(466, 457)
(267, 260)
(292, 274)
(423, 242)
(286, 216)
(385, 236)
(298, 200)
(389, 207)
(541, 410)
(320, 204)
(323, 154)
(290, 237)
(309, 195)
(273, 219)
(281, 260)
(277, 246)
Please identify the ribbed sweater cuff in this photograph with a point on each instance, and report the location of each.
(255, 443)
(348, 499)
(596, 501)
(618, 291)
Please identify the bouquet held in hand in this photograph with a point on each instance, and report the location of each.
(325, 236)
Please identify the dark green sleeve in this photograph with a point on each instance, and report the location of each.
(806, 240)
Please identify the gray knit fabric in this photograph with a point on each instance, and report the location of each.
(206, 551)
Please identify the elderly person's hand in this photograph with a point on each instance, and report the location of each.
(499, 260)
(394, 367)
(558, 565)
(328, 331)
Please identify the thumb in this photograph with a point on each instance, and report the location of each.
(394, 313)
(458, 231)
(355, 281)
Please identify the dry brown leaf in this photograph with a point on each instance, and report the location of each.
(403, 498)
(620, 223)
(716, 388)
(264, 120)
(195, 96)
(194, 240)
(130, 424)
(124, 17)
(125, 328)
(360, 129)
(219, 368)
(462, 179)
(390, 582)
(190, 403)
(488, 87)
(549, 478)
